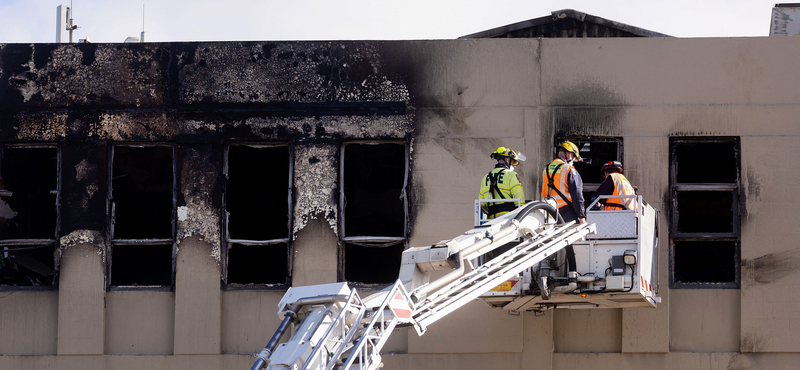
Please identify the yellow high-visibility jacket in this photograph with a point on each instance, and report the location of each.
(507, 186)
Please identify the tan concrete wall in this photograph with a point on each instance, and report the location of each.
(81, 297)
(30, 323)
(249, 318)
(704, 320)
(129, 362)
(587, 330)
(472, 329)
(140, 323)
(314, 254)
(770, 252)
(198, 299)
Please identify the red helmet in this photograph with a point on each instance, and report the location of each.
(612, 166)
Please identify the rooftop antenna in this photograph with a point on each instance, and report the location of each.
(70, 26)
(142, 38)
(64, 22)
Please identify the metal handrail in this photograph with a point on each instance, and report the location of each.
(636, 198)
(478, 220)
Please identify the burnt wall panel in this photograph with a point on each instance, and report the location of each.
(199, 198)
(83, 186)
(84, 75)
(286, 91)
(268, 72)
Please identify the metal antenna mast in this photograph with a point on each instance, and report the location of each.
(70, 26)
(142, 38)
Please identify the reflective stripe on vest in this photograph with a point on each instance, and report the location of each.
(559, 180)
(497, 185)
(621, 187)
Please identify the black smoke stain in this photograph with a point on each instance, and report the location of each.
(15, 58)
(42, 55)
(454, 146)
(199, 168)
(753, 184)
(751, 342)
(88, 51)
(456, 119)
(267, 50)
(586, 109)
(319, 130)
(771, 267)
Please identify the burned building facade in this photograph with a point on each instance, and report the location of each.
(158, 199)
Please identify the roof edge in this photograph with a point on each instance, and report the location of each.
(561, 14)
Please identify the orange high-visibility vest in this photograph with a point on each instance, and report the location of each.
(621, 187)
(559, 171)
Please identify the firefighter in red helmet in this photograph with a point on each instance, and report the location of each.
(616, 183)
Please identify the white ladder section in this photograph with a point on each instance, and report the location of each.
(371, 328)
(492, 273)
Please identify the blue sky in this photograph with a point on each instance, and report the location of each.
(33, 21)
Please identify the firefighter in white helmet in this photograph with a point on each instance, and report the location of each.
(502, 183)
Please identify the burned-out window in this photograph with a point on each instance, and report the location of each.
(704, 178)
(141, 204)
(28, 215)
(374, 210)
(258, 197)
(595, 152)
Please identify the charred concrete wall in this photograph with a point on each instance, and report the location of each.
(196, 95)
(454, 102)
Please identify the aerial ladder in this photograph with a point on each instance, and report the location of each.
(334, 328)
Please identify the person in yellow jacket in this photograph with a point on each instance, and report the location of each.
(616, 183)
(562, 182)
(502, 183)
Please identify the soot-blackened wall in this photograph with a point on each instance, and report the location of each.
(92, 100)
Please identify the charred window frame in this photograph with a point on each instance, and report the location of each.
(595, 151)
(257, 216)
(373, 185)
(141, 209)
(705, 248)
(30, 184)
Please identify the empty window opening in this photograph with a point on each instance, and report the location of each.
(28, 215)
(142, 191)
(258, 264)
(373, 187)
(375, 265)
(258, 197)
(704, 226)
(257, 194)
(26, 265)
(706, 162)
(705, 261)
(373, 203)
(594, 153)
(142, 202)
(30, 178)
(705, 211)
(141, 265)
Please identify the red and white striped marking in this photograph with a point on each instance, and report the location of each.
(400, 307)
